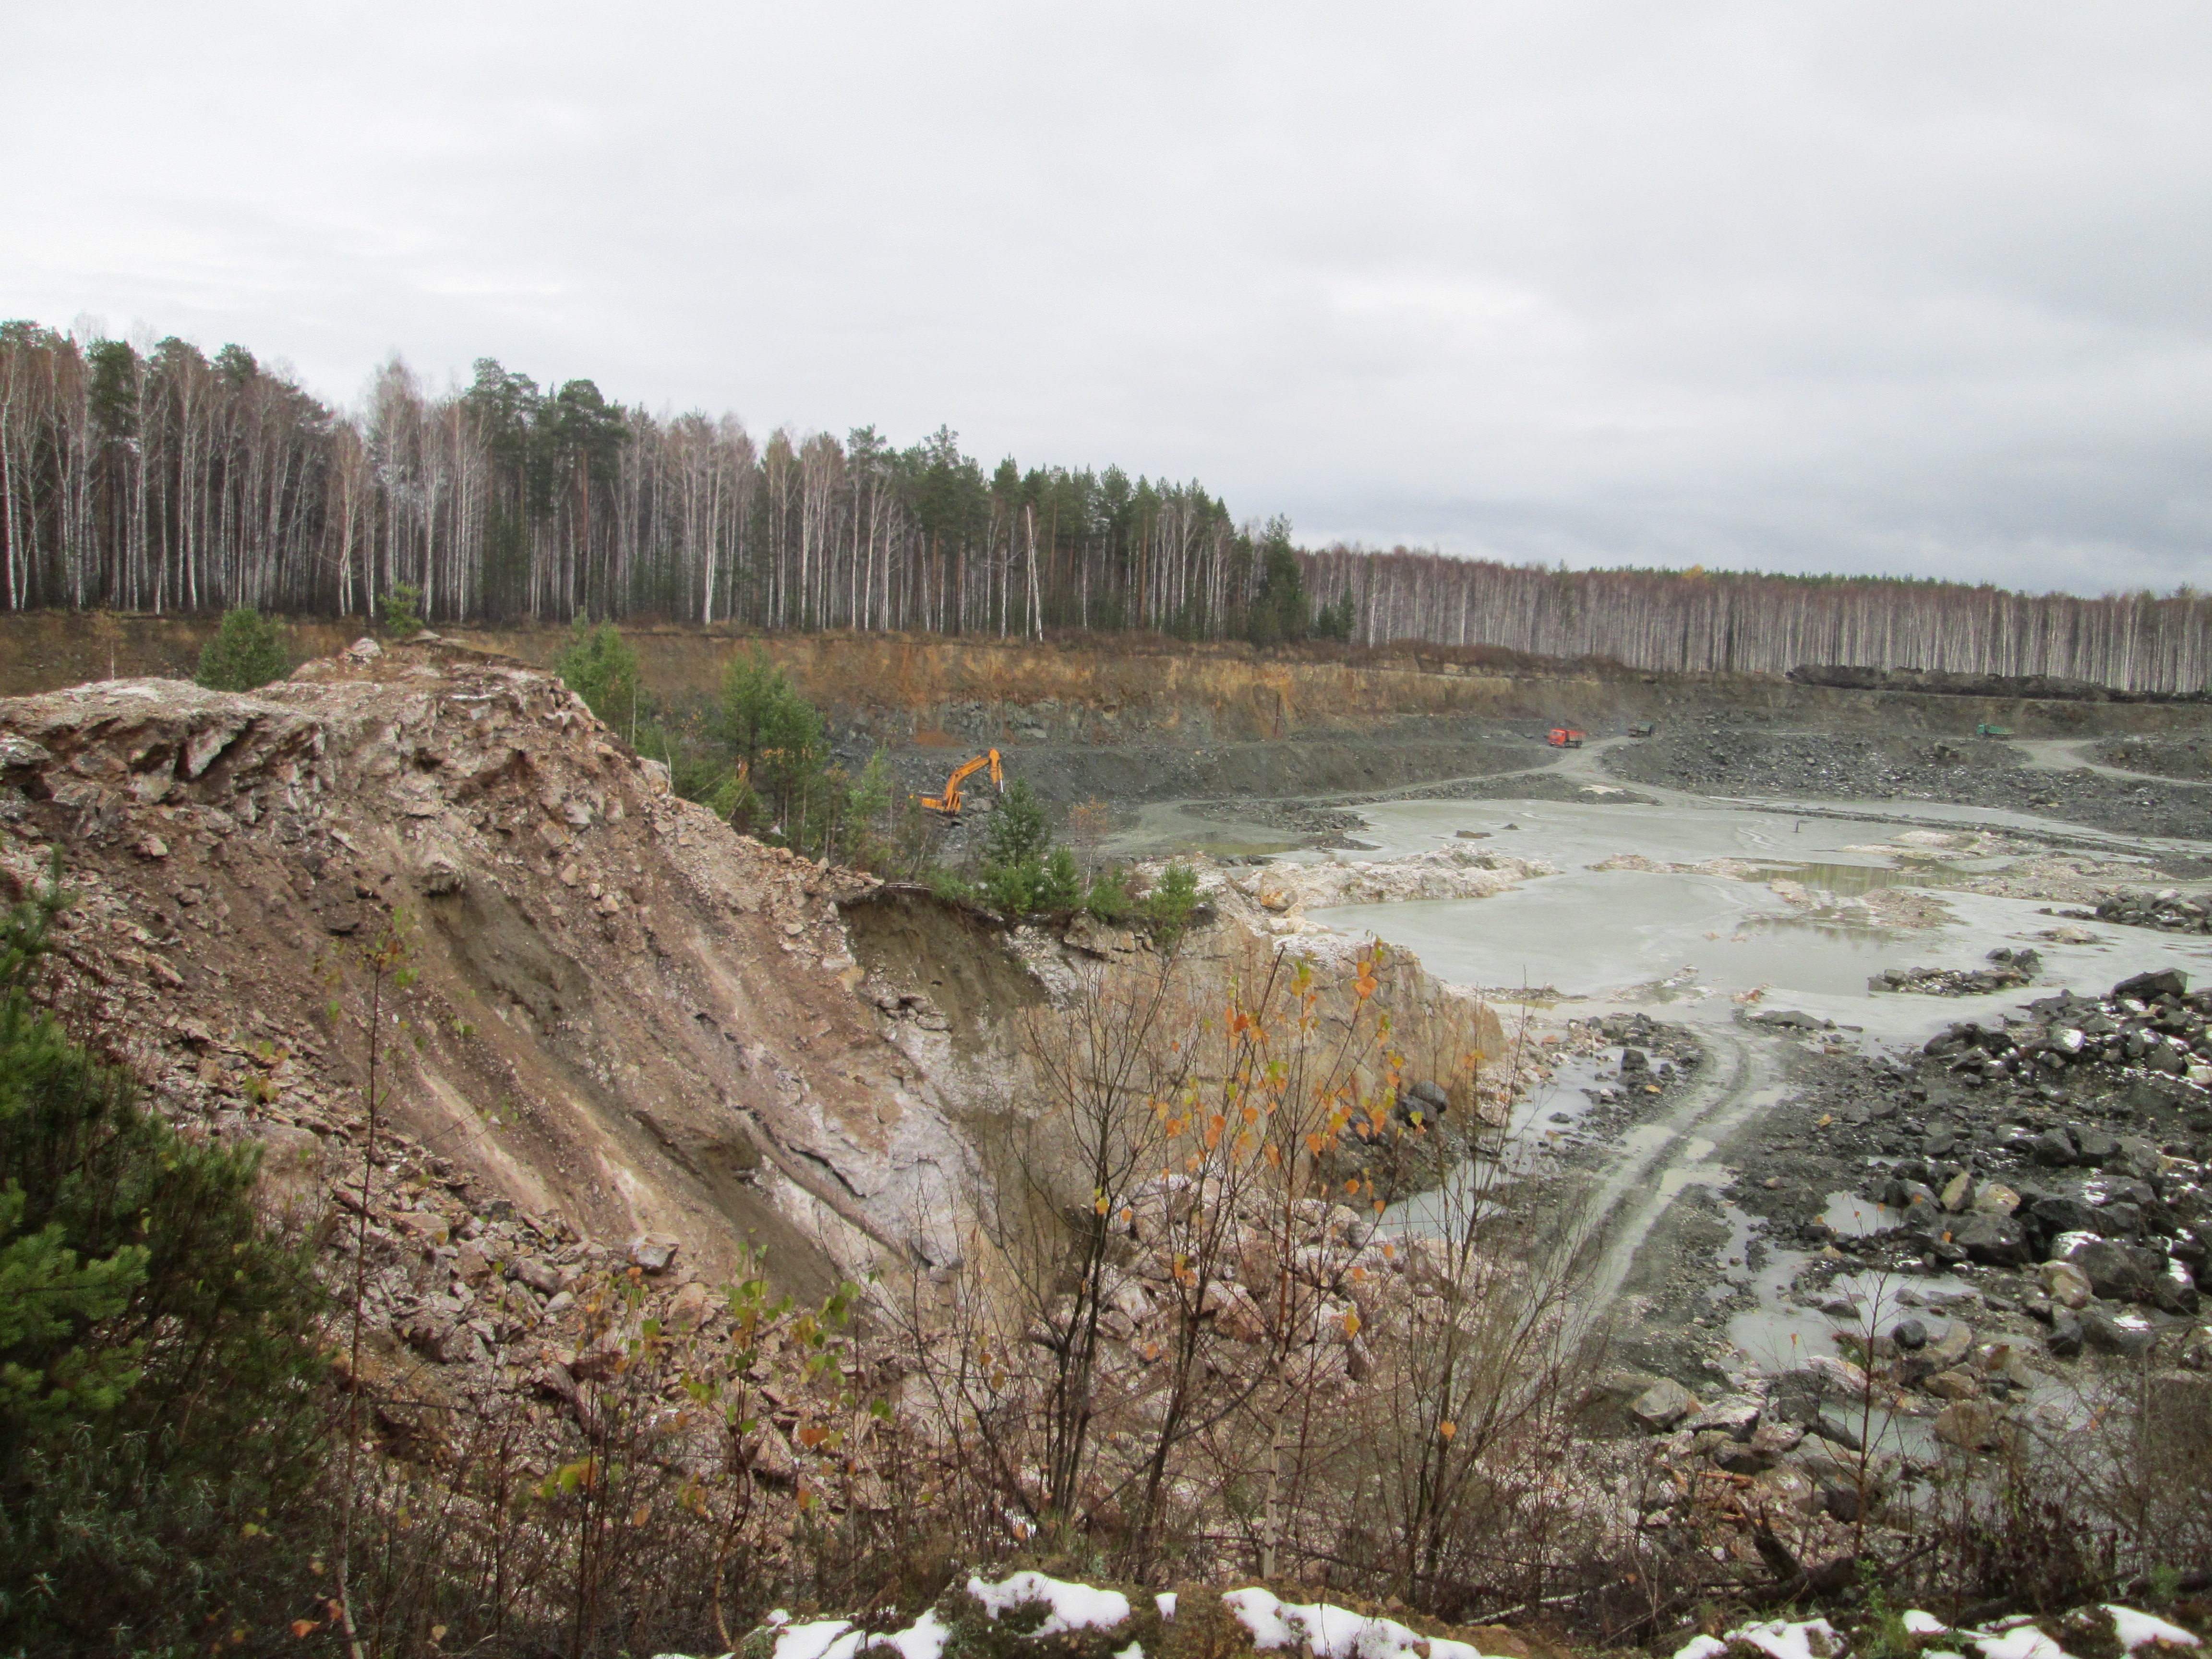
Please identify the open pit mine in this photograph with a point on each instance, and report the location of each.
(1729, 1137)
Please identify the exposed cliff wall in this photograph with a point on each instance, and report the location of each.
(622, 1013)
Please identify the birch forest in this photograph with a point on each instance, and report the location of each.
(163, 480)
(1700, 621)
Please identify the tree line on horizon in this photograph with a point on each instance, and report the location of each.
(1727, 622)
(164, 480)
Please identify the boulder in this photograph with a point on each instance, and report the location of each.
(689, 1306)
(653, 1251)
(1427, 1097)
(2096, 1146)
(1235, 1313)
(1996, 1240)
(2114, 1271)
(1969, 1424)
(2054, 1213)
(2139, 1157)
(1662, 1405)
(1774, 1439)
(1910, 1334)
(1791, 1019)
(2128, 1336)
(1737, 1414)
(2066, 1337)
(1996, 1199)
(440, 875)
(2066, 1284)
(1847, 1383)
(2051, 1147)
(1953, 1345)
(1796, 1397)
(540, 1275)
(2174, 1291)
(2153, 988)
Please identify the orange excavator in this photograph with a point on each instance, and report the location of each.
(949, 802)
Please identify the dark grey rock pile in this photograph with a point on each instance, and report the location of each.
(2167, 910)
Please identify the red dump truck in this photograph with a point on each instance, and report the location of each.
(1564, 737)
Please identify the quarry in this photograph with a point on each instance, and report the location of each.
(1750, 1124)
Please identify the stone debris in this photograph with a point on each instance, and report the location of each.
(2166, 910)
(1285, 890)
(2009, 970)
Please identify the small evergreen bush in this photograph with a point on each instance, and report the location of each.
(247, 653)
(401, 610)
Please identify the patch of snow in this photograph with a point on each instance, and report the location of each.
(1334, 1632)
(1074, 1607)
(840, 1639)
(819, 1638)
(2136, 1630)
(924, 1638)
(1701, 1647)
(2022, 1642)
(1784, 1638)
(1917, 1623)
(1134, 1650)
(1165, 1601)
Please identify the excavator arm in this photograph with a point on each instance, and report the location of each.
(949, 802)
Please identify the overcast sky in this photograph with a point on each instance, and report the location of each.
(1916, 288)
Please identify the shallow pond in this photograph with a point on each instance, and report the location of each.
(1707, 941)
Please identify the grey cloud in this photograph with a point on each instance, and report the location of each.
(1863, 286)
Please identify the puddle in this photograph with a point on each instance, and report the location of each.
(1850, 1216)
(1543, 1120)
(1856, 880)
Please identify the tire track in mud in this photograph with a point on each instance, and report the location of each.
(1660, 1159)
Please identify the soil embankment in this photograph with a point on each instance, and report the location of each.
(1146, 719)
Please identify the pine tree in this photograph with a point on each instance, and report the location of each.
(155, 1430)
(247, 653)
(600, 666)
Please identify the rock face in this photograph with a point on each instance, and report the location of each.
(622, 1013)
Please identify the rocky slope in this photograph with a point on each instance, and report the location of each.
(620, 1013)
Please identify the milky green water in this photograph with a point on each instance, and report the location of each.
(1604, 934)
